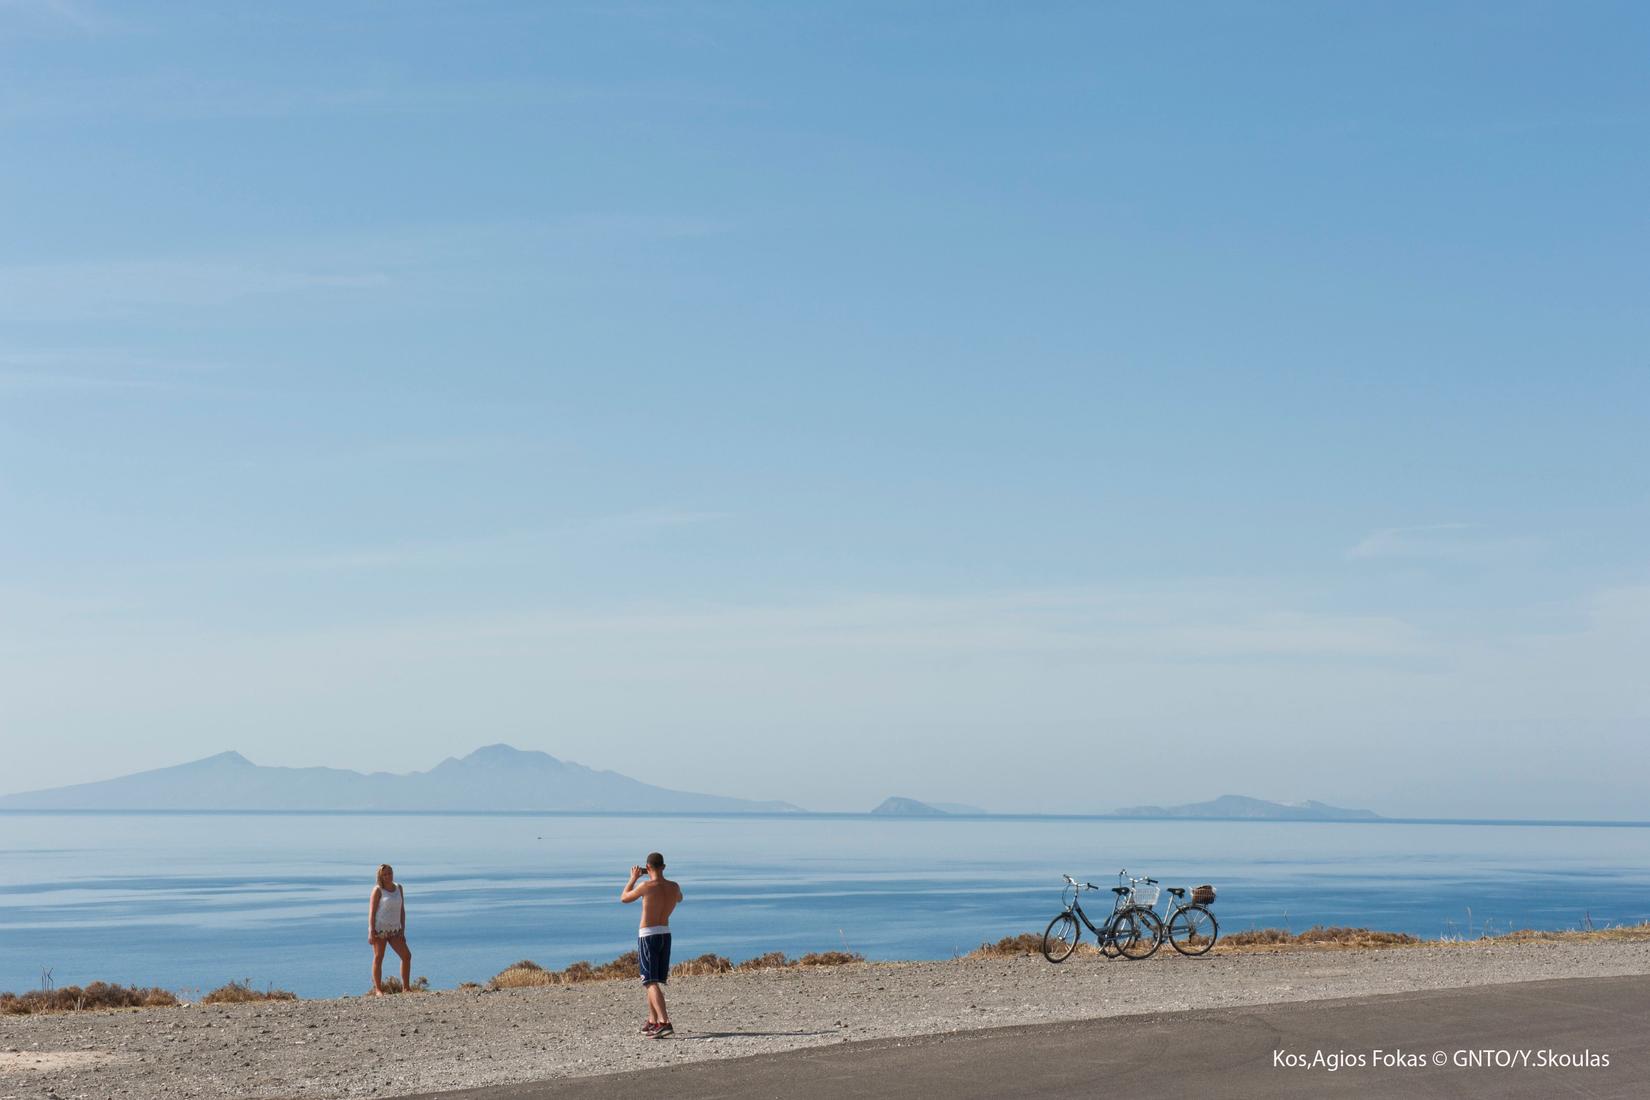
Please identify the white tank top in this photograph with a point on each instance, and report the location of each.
(389, 910)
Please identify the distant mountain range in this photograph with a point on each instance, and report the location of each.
(497, 777)
(910, 807)
(1239, 806)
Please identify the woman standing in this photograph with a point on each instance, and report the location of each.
(387, 927)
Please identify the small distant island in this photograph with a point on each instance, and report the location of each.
(1258, 809)
(910, 807)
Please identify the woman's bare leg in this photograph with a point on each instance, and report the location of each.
(401, 948)
(378, 946)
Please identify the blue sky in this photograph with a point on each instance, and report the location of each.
(826, 402)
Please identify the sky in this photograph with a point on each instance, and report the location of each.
(1046, 407)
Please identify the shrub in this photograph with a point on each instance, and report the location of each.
(527, 973)
(1026, 943)
(242, 993)
(628, 965)
(773, 960)
(1255, 937)
(830, 958)
(521, 975)
(704, 964)
(73, 998)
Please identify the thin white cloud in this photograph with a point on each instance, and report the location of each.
(173, 97)
(481, 549)
(95, 359)
(96, 369)
(106, 371)
(118, 287)
(1459, 542)
(345, 266)
(57, 380)
(53, 15)
(1062, 625)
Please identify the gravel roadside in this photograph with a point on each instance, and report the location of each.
(448, 1040)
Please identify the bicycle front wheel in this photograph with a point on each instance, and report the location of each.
(1144, 933)
(1193, 930)
(1061, 938)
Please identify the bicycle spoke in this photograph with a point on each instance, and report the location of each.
(1061, 938)
(1146, 935)
(1192, 930)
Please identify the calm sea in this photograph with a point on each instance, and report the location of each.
(189, 901)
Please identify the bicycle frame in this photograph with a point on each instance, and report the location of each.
(1108, 929)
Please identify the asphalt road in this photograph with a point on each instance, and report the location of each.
(1207, 1054)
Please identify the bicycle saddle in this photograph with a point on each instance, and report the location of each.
(1119, 889)
(1177, 891)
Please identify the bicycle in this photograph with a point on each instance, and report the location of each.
(1191, 928)
(1131, 930)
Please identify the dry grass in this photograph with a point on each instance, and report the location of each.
(528, 973)
(773, 960)
(627, 967)
(236, 993)
(72, 998)
(1277, 939)
(1009, 947)
(1626, 933)
(420, 984)
(1026, 943)
(1317, 936)
(704, 964)
(829, 958)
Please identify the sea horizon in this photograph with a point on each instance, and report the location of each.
(852, 814)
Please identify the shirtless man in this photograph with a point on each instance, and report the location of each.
(659, 896)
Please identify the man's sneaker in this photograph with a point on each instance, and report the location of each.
(649, 1028)
(661, 1030)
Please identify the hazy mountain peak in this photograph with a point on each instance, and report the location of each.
(508, 755)
(909, 807)
(1243, 806)
(493, 777)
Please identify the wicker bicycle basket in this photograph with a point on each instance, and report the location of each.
(1203, 895)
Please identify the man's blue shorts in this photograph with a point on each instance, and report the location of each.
(655, 953)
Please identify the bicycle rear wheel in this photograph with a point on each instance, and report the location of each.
(1193, 930)
(1146, 934)
(1061, 938)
